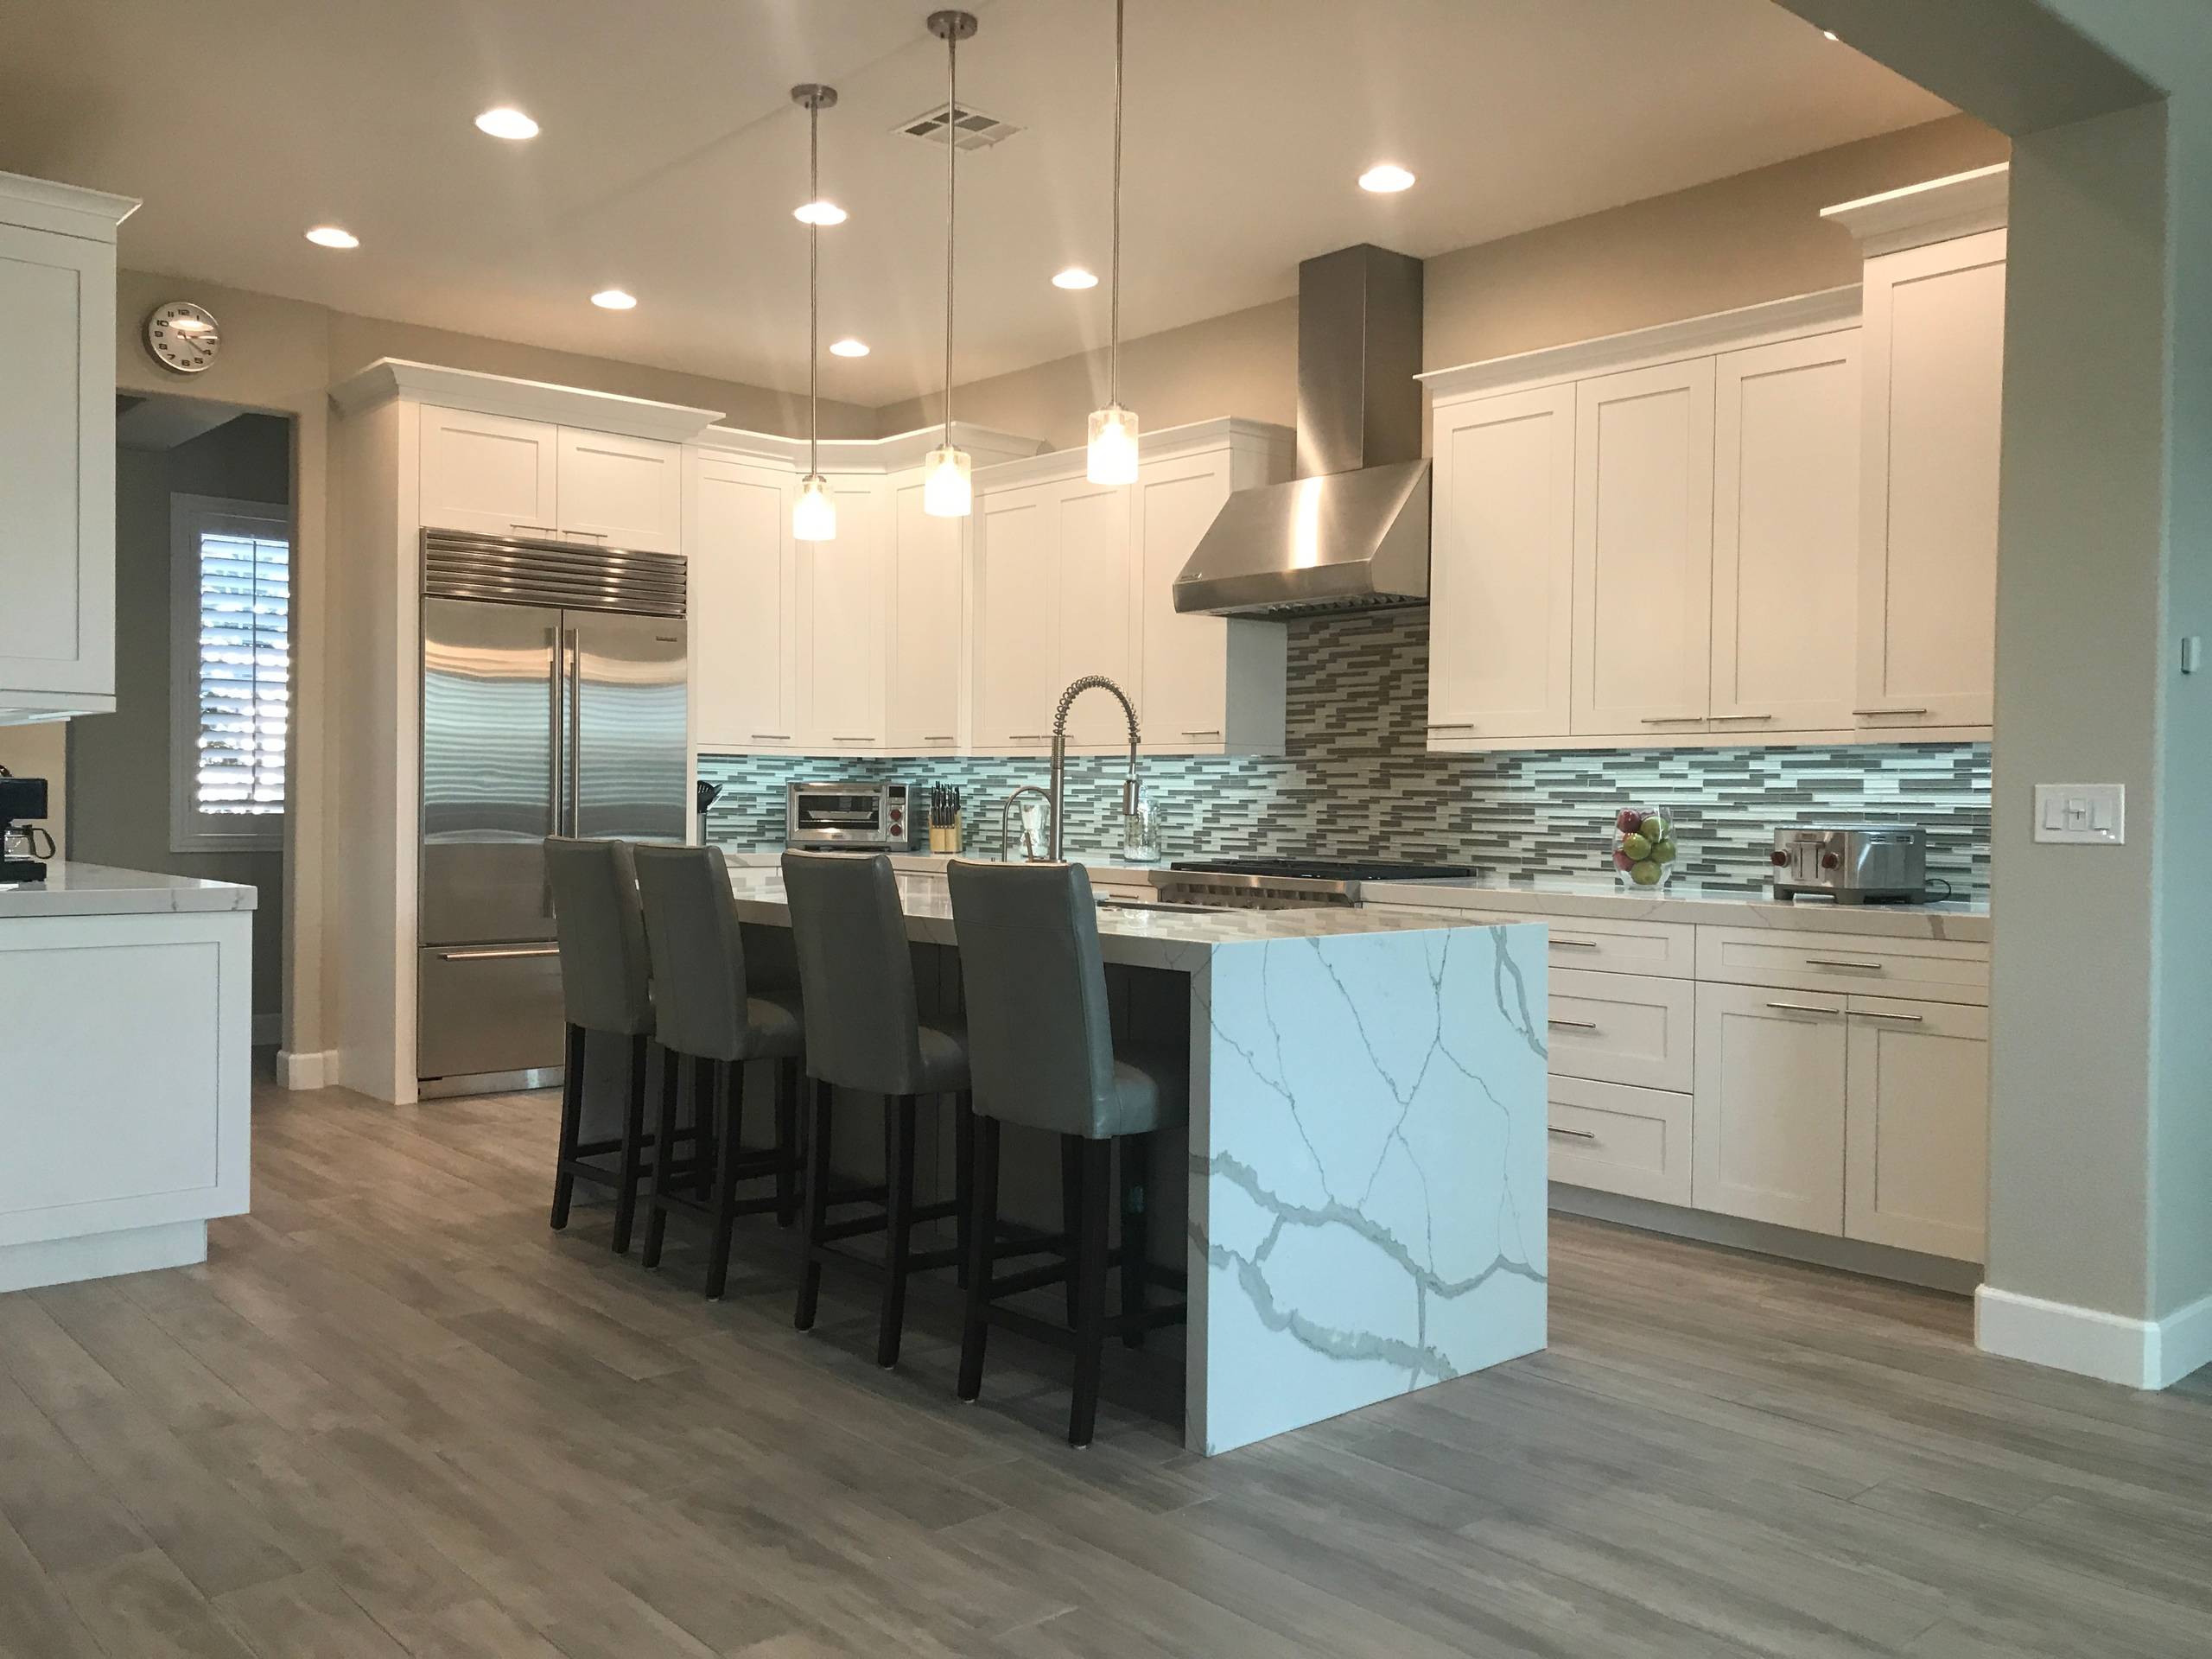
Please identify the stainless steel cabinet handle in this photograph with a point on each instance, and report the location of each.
(1671, 720)
(517, 523)
(852, 739)
(780, 737)
(1801, 1007)
(1889, 711)
(1559, 944)
(1572, 1134)
(1842, 961)
(1451, 725)
(1214, 731)
(596, 535)
(1877, 1014)
(1026, 737)
(1740, 716)
(499, 952)
(1573, 1025)
(943, 737)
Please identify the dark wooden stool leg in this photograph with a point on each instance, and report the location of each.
(1136, 1169)
(634, 1139)
(817, 1210)
(898, 1205)
(786, 1143)
(706, 1152)
(727, 1094)
(1071, 1208)
(1090, 1288)
(671, 1075)
(963, 1178)
(572, 1115)
(982, 1253)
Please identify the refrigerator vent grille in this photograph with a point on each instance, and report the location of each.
(459, 565)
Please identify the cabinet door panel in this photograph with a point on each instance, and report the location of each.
(1768, 1111)
(744, 609)
(1934, 341)
(925, 624)
(57, 464)
(1185, 677)
(1501, 616)
(1916, 1164)
(489, 473)
(621, 492)
(1017, 617)
(1644, 550)
(841, 625)
(1785, 536)
(1094, 601)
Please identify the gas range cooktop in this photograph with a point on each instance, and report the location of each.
(1294, 883)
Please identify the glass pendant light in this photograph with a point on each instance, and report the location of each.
(947, 490)
(1112, 457)
(814, 515)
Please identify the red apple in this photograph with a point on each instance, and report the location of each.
(1622, 860)
(1630, 818)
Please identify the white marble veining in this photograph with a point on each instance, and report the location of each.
(1959, 921)
(78, 889)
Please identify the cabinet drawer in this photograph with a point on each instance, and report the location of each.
(1933, 970)
(1630, 1028)
(1668, 948)
(1616, 1139)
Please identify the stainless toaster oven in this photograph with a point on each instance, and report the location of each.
(853, 818)
(1852, 864)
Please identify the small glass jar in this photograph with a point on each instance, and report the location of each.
(1642, 847)
(1140, 835)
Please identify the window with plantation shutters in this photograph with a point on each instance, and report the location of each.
(230, 603)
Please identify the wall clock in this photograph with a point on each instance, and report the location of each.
(183, 337)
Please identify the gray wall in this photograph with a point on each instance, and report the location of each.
(120, 763)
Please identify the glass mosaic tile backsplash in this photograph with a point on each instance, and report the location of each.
(1358, 783)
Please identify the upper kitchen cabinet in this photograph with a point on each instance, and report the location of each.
(489, 473)
(622, 490)
(1642, 551)
(1017, 615)
(925, 587)
(1934, 299)
(744, 594)
(1502, 576)
(57, 449)
(841, 625)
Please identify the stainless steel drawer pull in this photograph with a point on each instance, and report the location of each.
(852, 739)
(1889, 711)
(1801, 1007)
(1573, 1025)
(1842, 961)
(1671, 720)
(499, 953)
(1572, 1134)
(1573, 944)
(518, 523)
(1877, 1014)
(1741, 717)
(1451, 725)
(942, 737)
(1212, 731)
(1026, 737)
(780, 737)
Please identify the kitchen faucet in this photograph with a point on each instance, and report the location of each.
(1132, 791)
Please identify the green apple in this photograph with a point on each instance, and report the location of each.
(1645, 874)
(1654, 827)
(1663, 853)
(1638, 847)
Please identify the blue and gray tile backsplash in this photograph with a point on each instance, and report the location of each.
(1358, 783)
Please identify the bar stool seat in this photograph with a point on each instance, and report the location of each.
(1150, 1091)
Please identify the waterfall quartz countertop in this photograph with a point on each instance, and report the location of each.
(75, 889)
(1367, 1201)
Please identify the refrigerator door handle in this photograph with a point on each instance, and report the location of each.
(555, 688)
(572, 674)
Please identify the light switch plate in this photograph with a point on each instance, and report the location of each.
(2082, 815)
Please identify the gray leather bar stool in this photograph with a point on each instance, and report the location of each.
(1042, 1041)
(864, 1032)
(606, 991)
(704, 1012)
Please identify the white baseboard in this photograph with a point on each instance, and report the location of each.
(101, 1256)
(2111, 1347)
(315, 1069)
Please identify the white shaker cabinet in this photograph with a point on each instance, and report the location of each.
(1933, 423)
(744, 602)
(622, 491)
(1501, 576)
(1644, 551)
(491, 475)
(1917, 1153)
(57, 449)
(1785, 536)
(841, 612)
(925, 591)
(1767, 1114)
(1095, 602)
(1017, 615)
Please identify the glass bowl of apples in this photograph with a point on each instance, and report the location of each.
(1644, 847)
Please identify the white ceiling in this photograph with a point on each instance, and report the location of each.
(671, 155)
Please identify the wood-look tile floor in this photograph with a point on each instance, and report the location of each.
(394, 1414)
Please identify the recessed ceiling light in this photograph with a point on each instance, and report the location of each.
(1075, 276)
(849, 348)
(506, 123)
(1386, 178)
(615, 299)
(819, 213)
(330, 235)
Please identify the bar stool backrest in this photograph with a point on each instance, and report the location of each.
(698, 947)
(606, 974)
(856, 972)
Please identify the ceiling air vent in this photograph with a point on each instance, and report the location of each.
(976, 130)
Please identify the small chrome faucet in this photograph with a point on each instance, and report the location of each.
(1132, 791)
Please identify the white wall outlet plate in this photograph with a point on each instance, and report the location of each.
(2083, 815)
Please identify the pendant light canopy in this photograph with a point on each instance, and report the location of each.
(947, 489)
(814, 515)
(1112, 456)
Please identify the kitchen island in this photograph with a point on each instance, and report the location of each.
(125, 1064)
(1366, 1191)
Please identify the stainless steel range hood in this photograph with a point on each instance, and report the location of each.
(1352, 532)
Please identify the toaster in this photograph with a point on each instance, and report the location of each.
(1852, 864)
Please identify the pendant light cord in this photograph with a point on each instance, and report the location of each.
(1114, 334)
(951, 204)
(813, 289)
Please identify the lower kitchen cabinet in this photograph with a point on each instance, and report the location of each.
(1767, 1125)
(1616, 1139)
(1916, 1142)
(1631, 1028)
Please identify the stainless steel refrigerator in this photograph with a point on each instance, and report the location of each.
(553, 703)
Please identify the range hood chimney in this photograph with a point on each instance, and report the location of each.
(1352, 533)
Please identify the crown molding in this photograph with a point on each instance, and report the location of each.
(1938, 210)
(66, 209)
(388, 378)
(1822, 312)
(1054, 466)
